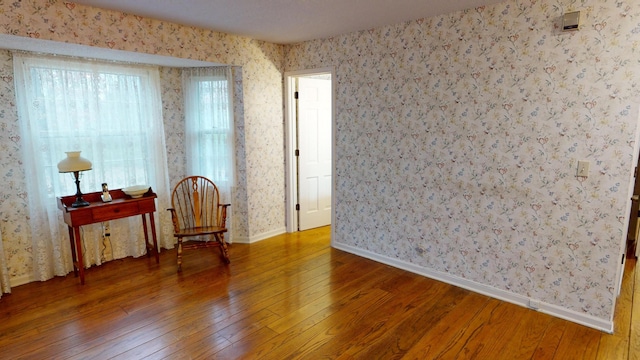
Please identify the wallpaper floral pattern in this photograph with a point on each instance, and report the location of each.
(258, 202)
(13, 198)
(458, 138)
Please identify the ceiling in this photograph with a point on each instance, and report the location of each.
(287, 21)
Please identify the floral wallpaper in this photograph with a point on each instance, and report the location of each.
(458, 136)
(14, 214)
(258, 206)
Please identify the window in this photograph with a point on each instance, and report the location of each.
(110, 112)
(209, 125)
(209, 130)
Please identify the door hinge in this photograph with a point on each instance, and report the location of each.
(297, 152)
(297, 207)
(296, 95)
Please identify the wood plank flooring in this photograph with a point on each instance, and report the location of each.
(289, 297)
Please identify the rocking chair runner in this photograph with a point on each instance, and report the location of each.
(196, 212)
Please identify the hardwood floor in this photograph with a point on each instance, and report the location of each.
(289, 297)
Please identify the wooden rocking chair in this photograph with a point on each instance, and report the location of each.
(196, 212)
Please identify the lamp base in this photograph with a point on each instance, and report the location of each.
(80, 202)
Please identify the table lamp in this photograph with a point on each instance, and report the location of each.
(75, 163)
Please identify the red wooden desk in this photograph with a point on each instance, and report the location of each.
(121, 206)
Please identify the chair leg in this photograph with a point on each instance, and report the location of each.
(223, 247)
(179, 254)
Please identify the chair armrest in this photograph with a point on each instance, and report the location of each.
(174, 220)
(222, 219)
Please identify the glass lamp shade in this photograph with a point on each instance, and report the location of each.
(74, 162)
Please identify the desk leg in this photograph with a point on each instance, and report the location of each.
(150, 247)
(155, 240)
(146, 235)
(74, 258)
(78, 241)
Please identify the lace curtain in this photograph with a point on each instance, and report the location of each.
(113, 114)
(209, 129)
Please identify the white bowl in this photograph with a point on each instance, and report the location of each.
(136, 191)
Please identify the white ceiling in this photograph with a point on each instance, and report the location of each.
(287, 21)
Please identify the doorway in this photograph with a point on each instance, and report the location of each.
(632, 232)
(630, 246)
(309, 130)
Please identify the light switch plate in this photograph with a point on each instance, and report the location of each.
(583, 169)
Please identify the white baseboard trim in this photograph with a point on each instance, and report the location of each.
(550, 309)
(259, 237)
(21, 280)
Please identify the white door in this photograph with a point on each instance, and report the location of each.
(314, 144)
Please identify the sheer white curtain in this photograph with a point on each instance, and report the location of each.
(209, 129)
(5, 286)
(113, 114)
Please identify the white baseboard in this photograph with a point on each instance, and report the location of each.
(550, 309)
(21, 280)
(259, 237)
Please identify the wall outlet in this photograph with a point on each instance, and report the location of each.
(534, 304)
(106, 229)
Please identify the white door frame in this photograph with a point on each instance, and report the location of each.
(290, 144)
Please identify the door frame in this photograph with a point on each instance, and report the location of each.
(633, 215)
(291, 193)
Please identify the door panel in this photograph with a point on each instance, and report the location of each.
(632, 232)
(314, 143)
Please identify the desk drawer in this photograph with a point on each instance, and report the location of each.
(106, 213)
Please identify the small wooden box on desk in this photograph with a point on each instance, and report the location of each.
(120, 206)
